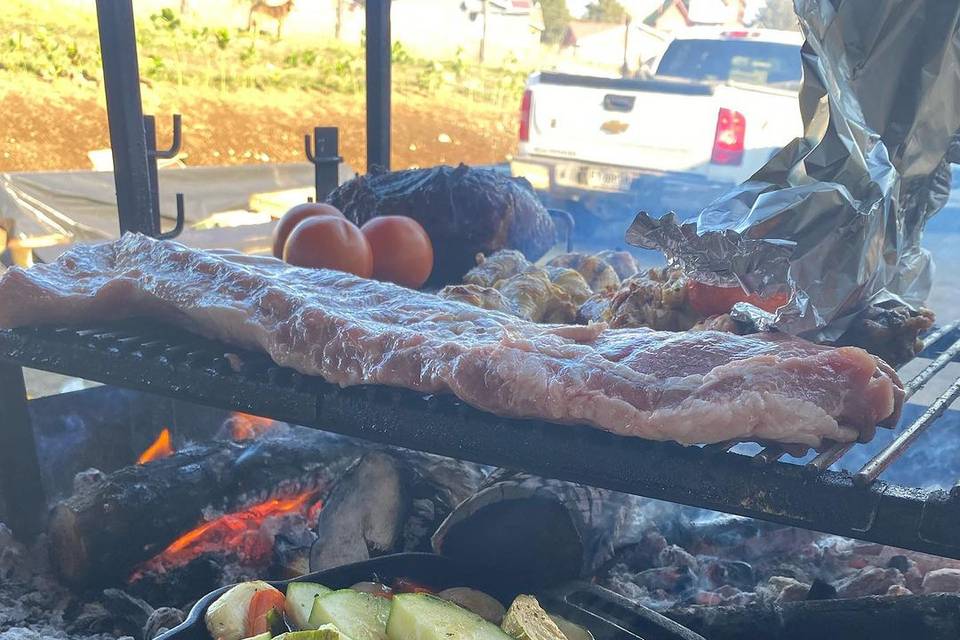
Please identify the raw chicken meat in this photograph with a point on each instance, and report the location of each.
(691, 387)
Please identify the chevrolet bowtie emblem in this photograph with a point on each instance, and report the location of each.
(614, 126)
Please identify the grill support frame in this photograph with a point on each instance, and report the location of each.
(175, 364)
(20, 475)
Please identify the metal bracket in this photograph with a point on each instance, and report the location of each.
(174, 149)
(150, 131)
(178, 226)
(323, 152)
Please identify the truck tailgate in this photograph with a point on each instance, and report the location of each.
(660, 125)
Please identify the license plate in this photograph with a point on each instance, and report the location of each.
(605, 179)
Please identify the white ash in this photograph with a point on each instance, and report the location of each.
(727, 560)
(34, 605)
(83, 480)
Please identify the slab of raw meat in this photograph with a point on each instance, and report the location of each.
(691, 387)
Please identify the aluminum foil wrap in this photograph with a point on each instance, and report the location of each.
(836, 217)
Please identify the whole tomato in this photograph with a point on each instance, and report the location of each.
(329, 242)
(295, 216)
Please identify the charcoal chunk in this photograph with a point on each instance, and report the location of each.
(901, 563)
(821, 590)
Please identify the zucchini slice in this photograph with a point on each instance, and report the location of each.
(358, 615)
(299, 603)
(419, 616)
(326, 632)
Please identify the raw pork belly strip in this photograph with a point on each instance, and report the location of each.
(694, 387)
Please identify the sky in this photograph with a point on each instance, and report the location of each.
(578, 7)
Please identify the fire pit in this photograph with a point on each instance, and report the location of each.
(189, 538)
(188, 474)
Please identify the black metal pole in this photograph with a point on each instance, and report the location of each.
(20, 477)
(150, 131)
(323, 151)
(378, 83)
(121, 81)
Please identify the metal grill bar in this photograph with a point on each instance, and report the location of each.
(935, 336)
(768, 455)
(177, 364)
(829, 456)
(869, 472)
(719, 447)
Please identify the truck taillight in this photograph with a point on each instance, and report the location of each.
(525, 116)
(728, 141)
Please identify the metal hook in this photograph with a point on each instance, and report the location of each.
(177, 139)
(178, 227)
(315, 147)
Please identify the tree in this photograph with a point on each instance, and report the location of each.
(777, 14)
(606, 11)
(556, 17)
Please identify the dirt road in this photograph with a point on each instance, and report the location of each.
(52, 125)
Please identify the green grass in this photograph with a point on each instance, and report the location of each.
(47, 41)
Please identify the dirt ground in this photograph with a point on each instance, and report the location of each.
(52, 125)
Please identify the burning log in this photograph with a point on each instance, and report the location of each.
(364, 514)
(392, 500)
(535, 532)
(101, 533)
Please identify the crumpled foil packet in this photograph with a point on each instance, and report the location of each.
(836, 217)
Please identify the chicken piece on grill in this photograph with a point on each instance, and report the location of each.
(595, 270)
(661, 299)
(621, 261)
(890, 331)
(724, 323)
(499, 266)
(537, 299)
(596, 308)
(571, 282)
(655, 299)
(483, 297)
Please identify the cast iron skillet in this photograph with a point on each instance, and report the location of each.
(607, 615)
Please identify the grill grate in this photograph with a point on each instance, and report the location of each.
(174, 363)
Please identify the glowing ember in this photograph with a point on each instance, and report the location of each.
(161, 448)
(241, 533)
(244, 426)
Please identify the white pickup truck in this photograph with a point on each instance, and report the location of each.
(717, 106)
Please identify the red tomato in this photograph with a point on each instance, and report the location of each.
(405, 585)
(402, 251)
(711, 301)
(328, 242)
(295, 216)
(261, 604)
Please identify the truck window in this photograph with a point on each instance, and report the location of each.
(751, 62)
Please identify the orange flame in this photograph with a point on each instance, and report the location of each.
(244, 426)
(239, 533)
(161, 448)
